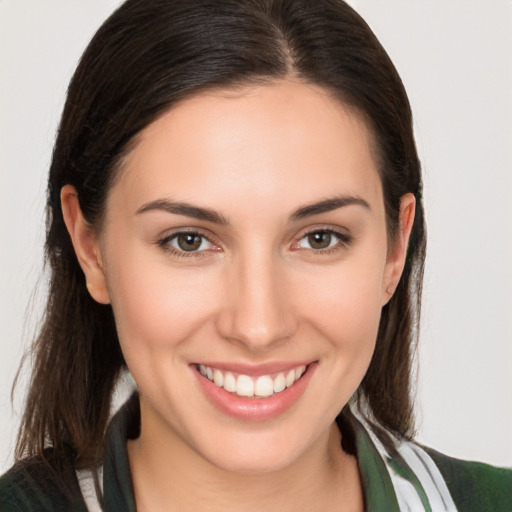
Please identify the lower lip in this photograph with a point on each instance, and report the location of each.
(255, 409)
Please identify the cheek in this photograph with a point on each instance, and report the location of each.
(157, 307)
(346, 311)
(347, 302)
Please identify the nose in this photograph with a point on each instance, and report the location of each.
(257, 309)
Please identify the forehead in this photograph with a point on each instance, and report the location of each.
(286, 141)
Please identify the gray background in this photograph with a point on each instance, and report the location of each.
(455, 57)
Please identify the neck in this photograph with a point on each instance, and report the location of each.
(172, 476)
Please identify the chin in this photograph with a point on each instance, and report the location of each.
(253, 464)
(257, 453)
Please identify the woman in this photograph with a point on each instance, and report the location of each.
(234, 215)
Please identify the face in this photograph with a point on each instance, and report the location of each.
(245, 256)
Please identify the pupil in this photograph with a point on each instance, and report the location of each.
(320, 240)
(189, 242)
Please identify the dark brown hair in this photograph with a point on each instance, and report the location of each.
(146, 57)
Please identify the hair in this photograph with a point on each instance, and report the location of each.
(145, 58)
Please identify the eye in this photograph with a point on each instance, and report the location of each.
(323, 240)
(186, 242)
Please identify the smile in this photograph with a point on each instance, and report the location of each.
(254, 393)
(262, 386)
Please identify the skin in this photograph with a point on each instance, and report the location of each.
(256, 291)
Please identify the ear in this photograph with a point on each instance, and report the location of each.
(397, 253)
(85, 243)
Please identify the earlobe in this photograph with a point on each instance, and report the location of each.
(85, 242)
(398, 252)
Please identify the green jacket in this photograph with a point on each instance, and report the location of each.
(412, 473)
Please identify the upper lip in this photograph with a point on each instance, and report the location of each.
(255, 370)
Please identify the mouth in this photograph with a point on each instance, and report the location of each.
(254, 393)
(262, 386)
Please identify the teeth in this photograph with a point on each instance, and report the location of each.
(279, 383)
(243, 385)
(218, 378)
(229, 383)
(264, 386)
(299, 372)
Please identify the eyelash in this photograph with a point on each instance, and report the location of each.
(164, 243)
(344, 240)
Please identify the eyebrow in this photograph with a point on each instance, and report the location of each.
(185, 209)
(206, 214)
(327, 205)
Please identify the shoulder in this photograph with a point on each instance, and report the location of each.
(475, 486)
(32, 485)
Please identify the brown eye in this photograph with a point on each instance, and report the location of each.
(324, 241)
(320, 239)
(189, 241)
